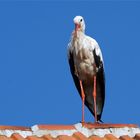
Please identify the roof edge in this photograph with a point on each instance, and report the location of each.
(88, 130)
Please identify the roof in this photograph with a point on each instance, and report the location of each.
(78, 131)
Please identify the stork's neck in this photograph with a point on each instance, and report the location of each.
(78, 34)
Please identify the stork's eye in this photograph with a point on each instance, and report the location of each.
(81, 20)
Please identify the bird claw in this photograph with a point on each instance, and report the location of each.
(83, 123)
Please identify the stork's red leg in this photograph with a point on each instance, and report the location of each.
(94, 96)
(83, 101)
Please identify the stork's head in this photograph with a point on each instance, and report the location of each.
(79, 23)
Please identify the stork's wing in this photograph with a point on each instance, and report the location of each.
(72, 69)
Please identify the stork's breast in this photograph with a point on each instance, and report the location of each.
(84, 54)
(85, 61)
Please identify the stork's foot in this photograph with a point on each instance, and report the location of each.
(83, 123)
(96, 122)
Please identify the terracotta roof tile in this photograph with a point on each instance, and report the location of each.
(17, 136)
(64, 137)
(14, 128)
(79, 136)
(5, 138)
(56, 127)
(97, 125)
(47, 137)
(95, 138)
(137, 136)
(110, 137)
(88, 131)
(125, 138)
(34, 138)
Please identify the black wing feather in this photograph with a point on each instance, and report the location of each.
(72, 69)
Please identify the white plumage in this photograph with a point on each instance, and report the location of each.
(86, 61)
(82, 47)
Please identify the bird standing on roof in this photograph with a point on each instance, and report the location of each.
(87, 69)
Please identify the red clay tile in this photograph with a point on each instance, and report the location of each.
(95, 138)
(98, 125)
(4, 138)
(75, 136)
(56, 127)
(79, 136)
(137, 137)
(126, 137)
(14, 128)
(17, 136)
(47, 137)
(34, 138)
(64, 137)
(110, 137)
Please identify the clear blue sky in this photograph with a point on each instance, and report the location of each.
(36, 86)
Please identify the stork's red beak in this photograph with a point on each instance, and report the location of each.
(77, 26)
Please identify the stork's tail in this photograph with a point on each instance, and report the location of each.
(99, 119)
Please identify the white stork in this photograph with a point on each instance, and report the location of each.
(87, 69)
